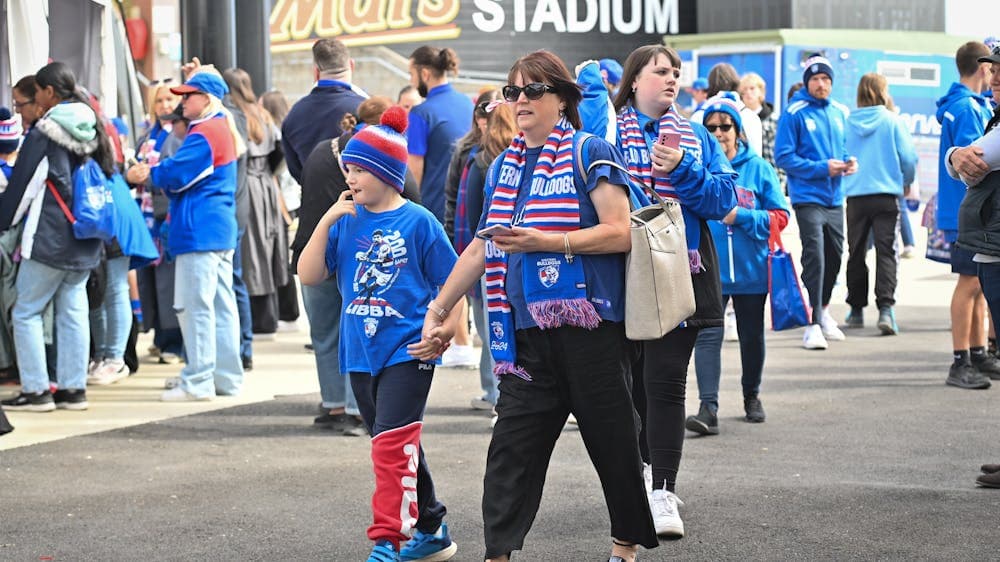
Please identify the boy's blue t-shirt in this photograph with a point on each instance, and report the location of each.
(603, 273)
(6, 168)
(389, 266)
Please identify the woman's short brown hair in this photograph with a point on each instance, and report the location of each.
(543, 66)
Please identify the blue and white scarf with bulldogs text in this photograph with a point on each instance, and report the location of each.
(554, 287)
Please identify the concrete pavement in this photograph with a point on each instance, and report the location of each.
(866, 454)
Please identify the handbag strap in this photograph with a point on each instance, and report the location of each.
(584, 171)
(59, 200)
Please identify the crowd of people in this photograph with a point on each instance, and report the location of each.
(512, 208)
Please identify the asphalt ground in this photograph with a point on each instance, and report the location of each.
(865, 455)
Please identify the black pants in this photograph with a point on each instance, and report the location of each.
(878, 215)
(288, 301)
(665, 365)
(821, 230)
(264, 313)
(573, 370)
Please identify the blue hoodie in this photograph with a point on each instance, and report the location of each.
(742, 246)
(963, 115)
(887, 159)
(810, 132)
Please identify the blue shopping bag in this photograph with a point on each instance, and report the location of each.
(789, 308)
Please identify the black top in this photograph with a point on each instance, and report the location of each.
(322, 183)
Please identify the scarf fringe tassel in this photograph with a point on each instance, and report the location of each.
(511, 368)
(564, 312)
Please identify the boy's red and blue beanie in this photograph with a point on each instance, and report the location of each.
(381, 149)
(10, 132)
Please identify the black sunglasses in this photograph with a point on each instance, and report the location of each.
(19, 106)
(725, 128)
(532, 91)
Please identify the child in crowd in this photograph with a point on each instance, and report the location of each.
(10, 141)
(389, 256)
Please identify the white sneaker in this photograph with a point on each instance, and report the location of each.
(178, 394)
(647, 477)
(172, 382)
(830, 329)
(269, 336)
(92, 368)
(813, 338)
(666, 519)
(460, 357)
(908, 252)
(285, 326)
(731, 333)
(493, 421)
(110, 372)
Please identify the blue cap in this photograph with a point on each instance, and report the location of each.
(700, 83)
(613, 69)
(204, 82)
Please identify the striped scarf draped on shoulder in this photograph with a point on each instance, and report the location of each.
(632, 141)
(554, 287)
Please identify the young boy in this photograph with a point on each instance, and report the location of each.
(390, 257)
(10, 141)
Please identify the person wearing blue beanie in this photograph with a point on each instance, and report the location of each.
(810, 146)
(741, 239)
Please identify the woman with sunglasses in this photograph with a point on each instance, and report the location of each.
(456, 223)
(761, 212)
(498, 130)
(693, 171)
(553, 247)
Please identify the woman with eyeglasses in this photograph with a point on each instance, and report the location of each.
(741, 239)
(553, 248)
(55, 265)
(689, 167)
(24, 102)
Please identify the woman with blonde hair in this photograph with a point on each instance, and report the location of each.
(886, 164)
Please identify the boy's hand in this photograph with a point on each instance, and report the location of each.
(343, 206)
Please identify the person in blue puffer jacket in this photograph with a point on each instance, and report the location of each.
(742, 242)
(889, 161)
(809, 146)
(200, 180)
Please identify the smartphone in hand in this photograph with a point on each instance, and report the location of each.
(495, 230)
(669, 139)
(673, 140)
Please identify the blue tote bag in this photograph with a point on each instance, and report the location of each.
(789, 308)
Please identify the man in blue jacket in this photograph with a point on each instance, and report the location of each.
(963, 113)
(810, 147)
(317, 115)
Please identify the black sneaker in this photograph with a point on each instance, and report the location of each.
(988, 365)
(855, 318)
(754, 410)
(30, 402)
(71, 399)
(326, 420)
(247, 364)
(964, 375)
(355, 427)
(705, 423)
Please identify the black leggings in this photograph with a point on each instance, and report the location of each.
(665, 365)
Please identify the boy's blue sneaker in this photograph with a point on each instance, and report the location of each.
(425, 547)
(384, 552)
